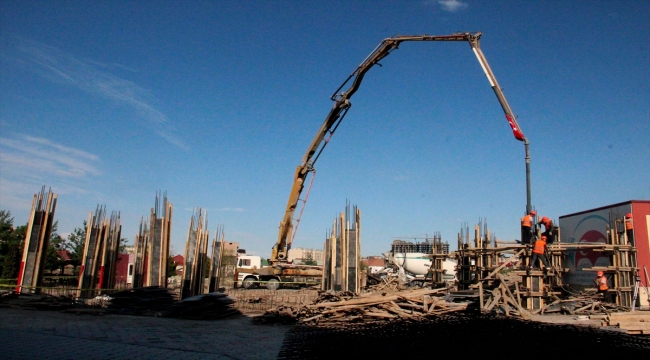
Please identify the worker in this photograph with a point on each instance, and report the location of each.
(601, 284)
(539, 252)
(629, 229)
(549, 229)
(527, 227)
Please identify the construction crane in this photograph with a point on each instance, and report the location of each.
(342, 105)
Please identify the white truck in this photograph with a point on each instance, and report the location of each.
(254, 271)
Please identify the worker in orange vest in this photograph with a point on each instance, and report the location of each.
(527, 227)
(601, 283)
(539, 252)
(549, 229)
(629, 229)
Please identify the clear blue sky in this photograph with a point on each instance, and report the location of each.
(215, 102)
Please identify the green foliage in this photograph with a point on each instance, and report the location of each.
(75, 244)
(14, 253)
(309, 262)
(171, 266)
(363, 266)
(11, 245)
(124, 242)
(52, 260)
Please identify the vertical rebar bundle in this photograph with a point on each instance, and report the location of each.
(89, 263)
(342, 253)
(101, 248)
(141, 246)
(159, 239)
(152, 245)
(110, 251)
(195, 255)
(218, 245)
(37, 239)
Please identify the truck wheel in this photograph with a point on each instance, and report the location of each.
(249, 283)
(416, 284)
(273, 284)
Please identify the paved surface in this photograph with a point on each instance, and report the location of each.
(33, 334)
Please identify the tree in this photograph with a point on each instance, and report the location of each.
(52, 259)
(171, 266)
(123, 245)
(14, 253)
(75, 244)
(11, 245)
(6, 234)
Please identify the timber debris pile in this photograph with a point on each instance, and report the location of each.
(331, 308)
(582, 304)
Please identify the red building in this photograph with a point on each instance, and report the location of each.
(590, 226)
(124, 270)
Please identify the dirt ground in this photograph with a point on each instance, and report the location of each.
(462, 336)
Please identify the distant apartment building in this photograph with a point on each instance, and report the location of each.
(230, 248)
(300, 255)
(426, 247)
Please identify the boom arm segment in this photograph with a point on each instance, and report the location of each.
(342, 105)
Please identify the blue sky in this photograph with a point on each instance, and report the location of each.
(215, 102)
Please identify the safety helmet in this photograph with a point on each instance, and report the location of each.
(629, 216)
(544, 219)
(533, 212)
(600, 273)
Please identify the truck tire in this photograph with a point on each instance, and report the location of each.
(249, 283)
(273, 284)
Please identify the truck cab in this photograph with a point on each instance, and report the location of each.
(251, 280)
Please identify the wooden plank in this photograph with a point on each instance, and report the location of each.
(522, 312)
(630, 316)
(632, 325)
(496, 296)
(495, 271)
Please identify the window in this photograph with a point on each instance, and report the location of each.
(130, 269)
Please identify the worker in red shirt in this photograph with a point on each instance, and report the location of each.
(549, 229)
(601, 284)
(527, 227)
(629, 229)
(539, 252)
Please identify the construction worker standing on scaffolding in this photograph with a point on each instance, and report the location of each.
(629, 229)
(539, 252)
(549, 229)
(527, 227)
(601, 283)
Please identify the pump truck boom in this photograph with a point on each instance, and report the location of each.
(342, 105)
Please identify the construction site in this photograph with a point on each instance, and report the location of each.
(566, 285)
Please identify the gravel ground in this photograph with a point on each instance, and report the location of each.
(462, 336)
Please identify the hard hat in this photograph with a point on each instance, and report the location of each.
(629, 216)
(533, 212)
(544, 218)
(600, 273)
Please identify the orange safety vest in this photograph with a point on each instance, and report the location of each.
(527, 221)
(628, 224)
(602, 283)
(540, 246)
